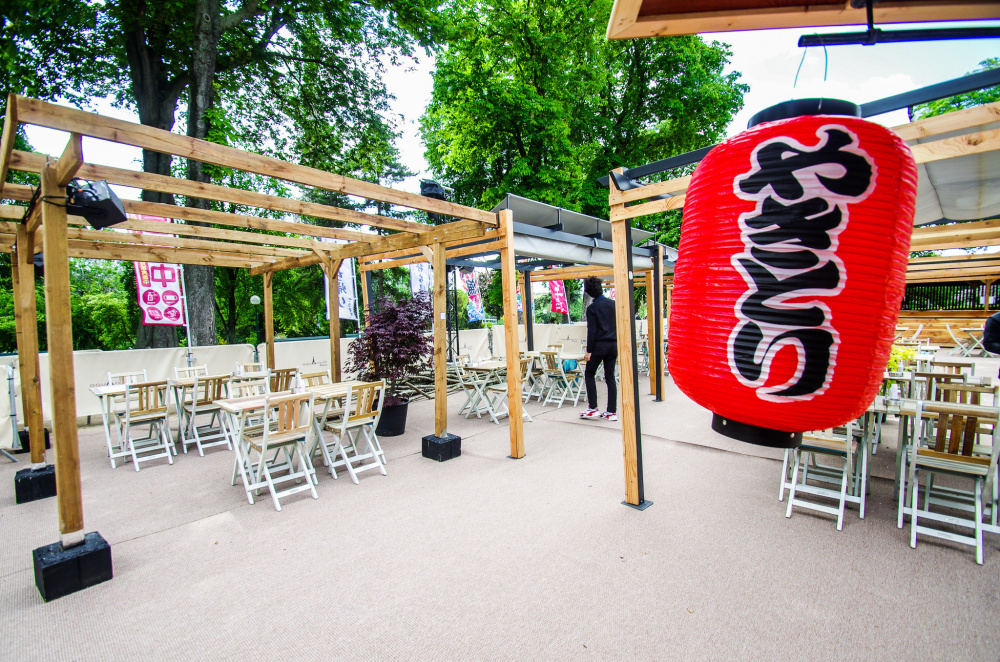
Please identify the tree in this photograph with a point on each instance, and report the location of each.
(530, 98)
(318, 63)
(960, 101)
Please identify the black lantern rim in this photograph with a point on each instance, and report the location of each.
(799, 107)
(755, 434)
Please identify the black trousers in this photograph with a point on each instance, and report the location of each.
(606, 353)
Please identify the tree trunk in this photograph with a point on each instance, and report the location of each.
(200, 280)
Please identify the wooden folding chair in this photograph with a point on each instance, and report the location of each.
(146, 405)
(286, 434)
(562, 384)
(283, 379)
(361, 413)
(956, 448)
(206, 390)
(849, 471)
(499, 397)
(314, 378)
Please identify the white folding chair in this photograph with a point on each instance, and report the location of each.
(133, 377)
(146, 405)
(959, 446)
(283, 379)
(362, 409)
(962, 347)
(563, 384)
(193, 371)
(849, 471)
(474, 387)
(499, 398)
(286, 435)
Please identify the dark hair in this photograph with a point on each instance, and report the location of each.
(593, 287)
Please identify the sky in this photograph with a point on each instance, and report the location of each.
(767, 61)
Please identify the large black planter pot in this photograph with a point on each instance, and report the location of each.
(393, 420)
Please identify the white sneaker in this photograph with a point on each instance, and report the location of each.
(590, 413)
(609, 416)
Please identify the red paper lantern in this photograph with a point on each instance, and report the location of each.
(791, 269)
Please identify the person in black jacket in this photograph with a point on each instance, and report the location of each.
(602, 348)
(991, 334)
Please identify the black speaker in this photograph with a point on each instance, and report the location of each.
(431, 189)
(96, 202)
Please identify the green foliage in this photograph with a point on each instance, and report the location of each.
(530, 98)
(900, 354)
(961, 101)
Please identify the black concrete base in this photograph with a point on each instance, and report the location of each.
(34, 484)
(441, 448)
(22, 436)
(59, 571)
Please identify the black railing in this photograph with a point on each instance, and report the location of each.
(950, 296)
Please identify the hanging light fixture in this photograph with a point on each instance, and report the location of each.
(791, 269)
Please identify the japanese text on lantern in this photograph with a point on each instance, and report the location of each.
(790, 242)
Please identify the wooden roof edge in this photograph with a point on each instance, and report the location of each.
(40, 113)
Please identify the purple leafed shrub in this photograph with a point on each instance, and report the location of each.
(394, 343)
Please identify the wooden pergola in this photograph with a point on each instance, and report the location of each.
(638, 202)
(240, 242)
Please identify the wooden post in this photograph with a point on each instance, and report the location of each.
(628, 387)
(26, 330)
(59, 331)
(508, 272)
(440, 275)
(650, 312)
(269, 318)
(657, 285)
(366, 287)
(333, 277)
(529, 312)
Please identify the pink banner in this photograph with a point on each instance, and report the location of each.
(160, 294)
(558, 291)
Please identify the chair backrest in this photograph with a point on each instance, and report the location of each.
(525, 369)
(840, 435)
(365, 404)
(953, 367)
(243, 386)
(289, 414)
(145, 398)
(931, 380)
(193, 371)
(244, 368)
(283, 379)
(127, 377)
(315, 378)
(208, 389)
(917, 332)
(958, 342)
(462, 359)
(967, 394)
(956, 435)
(550, 361)
(556, 347)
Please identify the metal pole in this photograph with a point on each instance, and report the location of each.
(187, 319)
(16, 439)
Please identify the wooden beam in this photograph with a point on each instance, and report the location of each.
(269, 318)
(628, 412)
(437, 234)
(440, 296)
(59, 331)
(456, 252)
(970, 274)
(7, 139)
(651, 307)
(621, 212)
(947, 148)
(427, 252)
(409, 252)
(508, 274)
(669, 187)
(71, 160)
(26, 330)
(33, 111)
(30, 162)
(332, 269)
(365, 303)
(953, 121)
(570, 273)
(205, 246)
(100, 250)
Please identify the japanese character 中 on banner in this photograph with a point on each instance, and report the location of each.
(558, 291)
(161, 297)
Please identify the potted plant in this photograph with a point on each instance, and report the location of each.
(393, 344)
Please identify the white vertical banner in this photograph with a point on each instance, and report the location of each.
(348, 293)
(420, 278)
